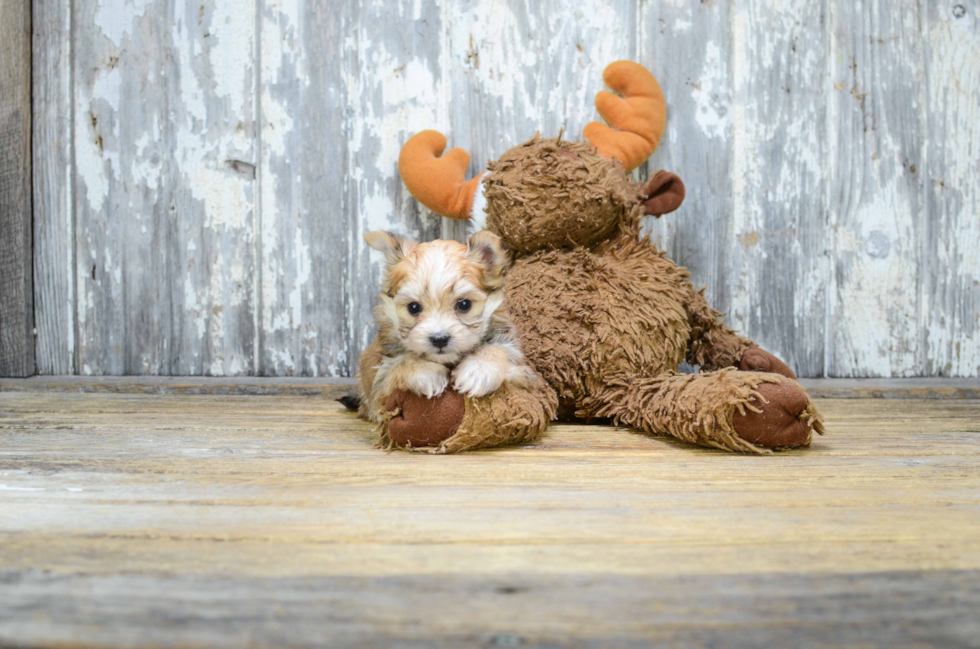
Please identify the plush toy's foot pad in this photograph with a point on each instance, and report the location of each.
(756, 359)
(422, 421)
(782, 422)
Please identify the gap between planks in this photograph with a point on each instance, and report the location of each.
(916, 388)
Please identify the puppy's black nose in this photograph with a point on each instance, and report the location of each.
(439, 340)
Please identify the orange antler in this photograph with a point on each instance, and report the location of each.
(437, 182)
(637, 118)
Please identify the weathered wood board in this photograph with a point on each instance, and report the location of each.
(163, 101)
(204, 177)
(16, 276)
(188, 520)
(54, 224)
(949, 323)
(875, 160)
(894, 609)
(699, 138)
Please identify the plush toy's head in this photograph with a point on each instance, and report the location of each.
(554, 193)
(550, 193)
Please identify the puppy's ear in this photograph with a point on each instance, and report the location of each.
(393, 246)
(486, 250)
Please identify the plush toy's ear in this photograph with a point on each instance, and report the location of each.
(437, 182)
(393, 246)
(637, 118)
(485, 249)
(662, 193)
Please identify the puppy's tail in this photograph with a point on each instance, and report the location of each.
(351, 401)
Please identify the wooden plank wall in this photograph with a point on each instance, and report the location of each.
(16, 276)
(204, 173)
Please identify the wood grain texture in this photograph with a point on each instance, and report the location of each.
(334, 387)
(519, 68)
(16, 277)
(226, 519)
(688, 47)
(949, 323)
(779, 239)
(875, 196)
(54, 227)
(304, 236)
(164, 172)
(897, 609)
(330, 388)
(225, 168)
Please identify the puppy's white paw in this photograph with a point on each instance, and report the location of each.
(428, 383)
(476, 377)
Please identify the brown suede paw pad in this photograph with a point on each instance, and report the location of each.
(422, 421)
(756, 359)
(779, 424)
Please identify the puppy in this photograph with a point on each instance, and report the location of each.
(441, 317)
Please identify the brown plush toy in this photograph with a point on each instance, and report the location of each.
(603, 316)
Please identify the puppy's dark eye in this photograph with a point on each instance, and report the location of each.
(414, 308)
(463, 306)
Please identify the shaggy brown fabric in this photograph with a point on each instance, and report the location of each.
(583, 316)
(602, 315)
(779, 417)
(511, 415)
(549, 193)
(695, 408)
(419, 421)
(713, 344)
(623, 309)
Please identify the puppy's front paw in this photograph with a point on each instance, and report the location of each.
(428, 383)
(476, 377)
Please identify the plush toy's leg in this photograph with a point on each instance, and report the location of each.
(714, 345)
(728, 409)
(451, 423)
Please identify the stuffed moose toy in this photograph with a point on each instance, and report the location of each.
(603, 317)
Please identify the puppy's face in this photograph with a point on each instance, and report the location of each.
(438, 297)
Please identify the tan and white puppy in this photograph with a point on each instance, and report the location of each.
(441, 316)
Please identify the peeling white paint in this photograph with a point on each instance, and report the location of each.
(89, 162)
(952, 308)
(166, 179)
(116, 19)
(713, 113)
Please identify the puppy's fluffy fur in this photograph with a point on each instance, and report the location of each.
(441, 316)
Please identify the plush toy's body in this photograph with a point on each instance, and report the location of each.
(603, 317)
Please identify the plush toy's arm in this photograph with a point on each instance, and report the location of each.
(714, 345)
(451, 423)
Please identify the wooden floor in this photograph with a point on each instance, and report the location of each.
(226, 520)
